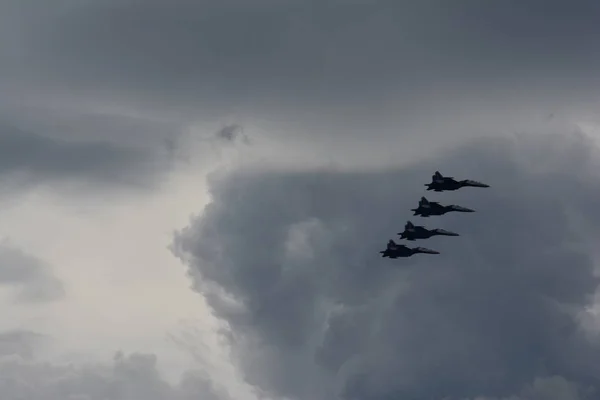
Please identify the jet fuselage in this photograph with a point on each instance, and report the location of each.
(420, 232)
(394, 250)
(450, 184)
(438, 210)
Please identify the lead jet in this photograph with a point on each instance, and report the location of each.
(412, 232)
(427, 208)
(395, 250)
(440, 183)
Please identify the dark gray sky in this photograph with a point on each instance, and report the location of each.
(304, 73)
(322, 120)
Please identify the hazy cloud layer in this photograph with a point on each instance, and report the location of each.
(290, 261)
(128, 377)
(20, 343)
(34, 280)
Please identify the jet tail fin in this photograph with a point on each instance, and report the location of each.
(423, 201)
(409, 225)
(438, 175)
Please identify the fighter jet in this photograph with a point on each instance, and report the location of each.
(412, 232)
(427, 208)
(395, 250)
(440, 183)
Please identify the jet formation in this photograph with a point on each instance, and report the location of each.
(425, 209)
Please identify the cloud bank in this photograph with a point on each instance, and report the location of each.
(128, 377)
(290, 261)
(28, 159)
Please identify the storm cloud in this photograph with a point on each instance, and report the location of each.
(334, 80)
(315, 64)
(236, 52)
(103, 93)
(290, 261)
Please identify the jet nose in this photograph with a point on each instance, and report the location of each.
(462, 209)
(477, 184)
(447, 233)
(427, 251)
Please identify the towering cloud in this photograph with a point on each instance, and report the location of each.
(290, 260)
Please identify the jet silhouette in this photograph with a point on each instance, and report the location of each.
(412, 232)
(427, 208)
(395, 250)
(440, 183)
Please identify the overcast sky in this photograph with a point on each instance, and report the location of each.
(194, 194)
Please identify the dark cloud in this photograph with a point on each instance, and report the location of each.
(129, 377)
(290, 261)
(232, 133)
(551, 388)
(35, 279)
(115, 126)
(28, 159)
(310, 58)
(330, 78)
